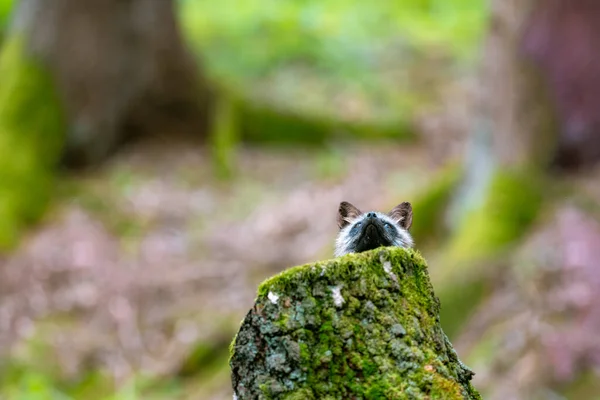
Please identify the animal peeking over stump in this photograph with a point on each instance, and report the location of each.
(361, 326)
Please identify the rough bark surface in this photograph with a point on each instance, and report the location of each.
(121, 68)
(362, 326)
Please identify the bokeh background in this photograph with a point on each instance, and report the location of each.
(160, 158)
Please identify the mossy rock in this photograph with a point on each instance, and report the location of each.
(361, 326)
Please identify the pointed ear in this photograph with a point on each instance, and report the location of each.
(402, 214)
(346, 213)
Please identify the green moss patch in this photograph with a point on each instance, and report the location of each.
(512, 204)
(31, 140)
(359, 326)
(430, 204)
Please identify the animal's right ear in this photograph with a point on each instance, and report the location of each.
(402, 214)
(346, 213)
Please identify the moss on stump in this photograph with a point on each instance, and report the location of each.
(362, 326)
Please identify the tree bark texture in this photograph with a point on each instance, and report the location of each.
(363, 326)
(120, 67)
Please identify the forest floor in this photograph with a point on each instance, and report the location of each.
(144, 269)
(149, 264)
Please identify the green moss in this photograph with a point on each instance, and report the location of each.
(302, 394)
(383, 341)
(31, 140)
(511, 205)
(430, 204)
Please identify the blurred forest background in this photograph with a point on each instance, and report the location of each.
(160, 158)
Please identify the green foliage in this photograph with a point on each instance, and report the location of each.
(30, 371)
(458, 24)
(6, 7)
(381, 340)
(31, 140)
(341, 60)
(251, 38)
(32, 386)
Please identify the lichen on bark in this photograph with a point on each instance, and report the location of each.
(361, 326)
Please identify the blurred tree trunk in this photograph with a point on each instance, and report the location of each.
(513, 139)
(120, 67)
(514, 98)
(512, 143)
(79, 78)
(540, 92)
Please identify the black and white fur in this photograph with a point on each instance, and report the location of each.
(366, 231)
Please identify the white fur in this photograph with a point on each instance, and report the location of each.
(344, 241)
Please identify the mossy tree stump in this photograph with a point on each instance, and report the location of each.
(362, 326)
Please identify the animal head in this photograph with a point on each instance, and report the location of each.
(366, 231)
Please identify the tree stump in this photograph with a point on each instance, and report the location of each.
(362, 326)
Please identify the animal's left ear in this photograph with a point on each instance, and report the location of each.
(346, 212)
(402, 214)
